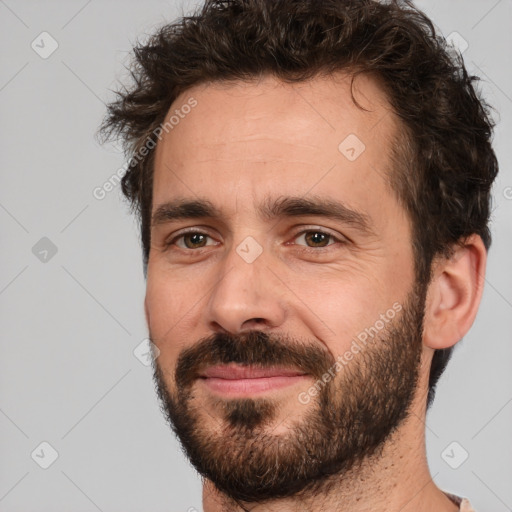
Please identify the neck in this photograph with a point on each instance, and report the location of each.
(396, 478)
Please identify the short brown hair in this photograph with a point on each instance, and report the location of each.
(445, 162)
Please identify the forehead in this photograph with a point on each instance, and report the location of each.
(266, 134)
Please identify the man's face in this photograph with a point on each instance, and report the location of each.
(256, 275)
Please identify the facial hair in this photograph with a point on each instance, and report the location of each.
(345, 424)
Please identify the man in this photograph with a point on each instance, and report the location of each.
(312, 180)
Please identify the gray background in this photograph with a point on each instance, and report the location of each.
(70, 323)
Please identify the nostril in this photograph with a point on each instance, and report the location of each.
(254, 321)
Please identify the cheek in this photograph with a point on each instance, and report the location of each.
(171, 303)
(333, 308)
(337, 309)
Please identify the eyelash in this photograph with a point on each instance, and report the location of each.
(297, 235)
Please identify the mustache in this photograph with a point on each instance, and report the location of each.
(254, 348)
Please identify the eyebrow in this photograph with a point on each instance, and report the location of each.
(269, 210)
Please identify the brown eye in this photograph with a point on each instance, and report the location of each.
(192, 240)
(315, 239)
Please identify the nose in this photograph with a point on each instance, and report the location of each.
(246, 296)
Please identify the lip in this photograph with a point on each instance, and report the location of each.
(247, 380)
(248, 372)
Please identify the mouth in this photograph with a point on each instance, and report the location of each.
(248, 380)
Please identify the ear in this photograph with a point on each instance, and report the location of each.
(146, 310)
(454, 294)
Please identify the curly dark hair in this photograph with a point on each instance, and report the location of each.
(444, 165)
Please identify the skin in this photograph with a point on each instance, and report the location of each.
(243, 143)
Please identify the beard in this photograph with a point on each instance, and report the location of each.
(344, 425)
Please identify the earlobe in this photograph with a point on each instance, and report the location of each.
(454, 294)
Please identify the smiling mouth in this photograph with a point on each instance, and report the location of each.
(247, 380)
